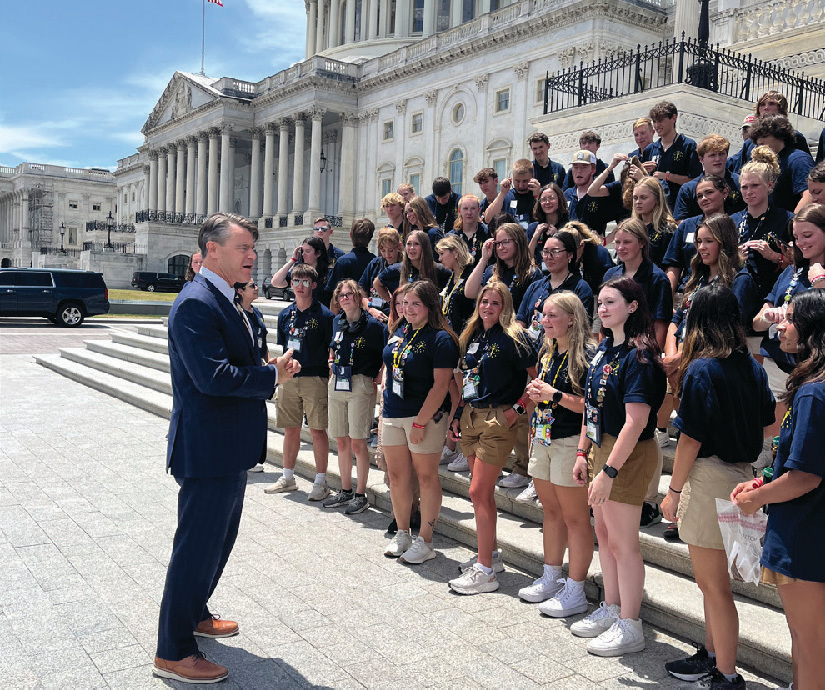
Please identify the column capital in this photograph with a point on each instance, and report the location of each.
(214, 132)
(431, 97)
(192, 140)
(226, 128)
(481, 82)
(181, 144)
(371, 115)
(521, 70)
(257, 132)
(153, 154)
(299, 117)
(203, 136)
(349, 119)
(401, 106)
(146, 169)
(316, 113)
(162, 151)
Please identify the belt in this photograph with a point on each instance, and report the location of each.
(485, 406)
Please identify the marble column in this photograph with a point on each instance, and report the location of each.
(312, 18)
(320, 35)
(403, 20)
(227, 170)
(269, 169)
(372, 28)
(191, 143)
(298, 167)
(25, 226)
(170, 181)
(384, 19)
(456, 10)
(255, 176)
(484, 7)
(180, 181)
(349, 22)
(314, 202)
(212, 189)
(162, 184)
(143, 205)
(153, 181)
(429, 18)
(283, 166)
(346, 197)
(203, 145)
(334, 23)
(686, 19)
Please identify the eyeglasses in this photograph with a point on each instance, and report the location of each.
(302, 282)
(251, 287)
(346, 295)
(502, 243)
(321, 228)
(553, 252)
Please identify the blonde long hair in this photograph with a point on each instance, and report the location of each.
(663, 220)
(456, 245)
(579, 336)
(507, 319)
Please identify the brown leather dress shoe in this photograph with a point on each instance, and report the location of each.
(192, 669)
(215, 627)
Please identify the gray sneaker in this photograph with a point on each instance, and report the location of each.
(319, 492)
(340, 499)
(474, 581)
(398, 544)
(419, 552)
(357, 505)
(283, 484)
(498, 564)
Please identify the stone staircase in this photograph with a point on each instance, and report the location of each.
(134, 367)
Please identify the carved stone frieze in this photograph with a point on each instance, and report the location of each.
(431, 97)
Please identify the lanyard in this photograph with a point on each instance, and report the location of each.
(402, 348)
(607, 370)
(791, 286)
(547, 366)
(472, 242)
(448, 296)
(744, 227)
(338, 345)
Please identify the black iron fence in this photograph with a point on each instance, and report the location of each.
(74, 253)
(171, 218)
(687, 61)
(101, 225)
(116, 247)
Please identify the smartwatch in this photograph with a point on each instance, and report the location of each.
(611, 472)
(557, 396)
(519, 408)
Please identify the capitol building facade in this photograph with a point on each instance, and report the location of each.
(396, 91)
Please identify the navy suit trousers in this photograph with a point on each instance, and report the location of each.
(209, 512)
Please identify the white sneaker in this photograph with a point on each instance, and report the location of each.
(498, 564)
(528, 495)
(256, 469)
(568, 602)
(662, 438)
(398, 544)
(514, 481)
(419, 552)
(319, 492)
(447, 456)
(283, 484)
(460, 464)
(541, 589)
(624, 636)
(597, 622)
(474, 581)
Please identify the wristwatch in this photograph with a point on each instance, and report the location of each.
(557, 396)
(519, 408)
(611, 472)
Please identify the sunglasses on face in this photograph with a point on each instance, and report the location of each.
(301, 282)
(346, 295)
(321, 228)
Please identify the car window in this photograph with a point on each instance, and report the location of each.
(8, 278)
(34, 279)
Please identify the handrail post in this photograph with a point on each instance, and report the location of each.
(581, 83)
(546, 90)
(682, 58)
(747, 92)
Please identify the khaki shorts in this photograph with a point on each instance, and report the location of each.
(554, 463)
(776, 377)
(350, 413)
(299, 396)
(486, 434)
(630, 486)
(754, 343)
(396, 432)
(771, 577)
(709, 479)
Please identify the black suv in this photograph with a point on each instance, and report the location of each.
(284, 294)
(63, 296)
(150, 282)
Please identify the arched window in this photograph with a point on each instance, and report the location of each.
(457, 170)
(178, 264)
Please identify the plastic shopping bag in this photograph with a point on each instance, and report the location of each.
(742, 535)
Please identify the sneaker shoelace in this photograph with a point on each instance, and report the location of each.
(602, 612)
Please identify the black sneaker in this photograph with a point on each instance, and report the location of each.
(671, 532)
(342, 498)
(716, 681)
(392, 528)
(693, 668)
(415, 520)
(357, 505)
(650, 515)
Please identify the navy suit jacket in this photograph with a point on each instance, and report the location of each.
(219, 387)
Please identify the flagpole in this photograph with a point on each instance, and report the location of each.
(203, 34)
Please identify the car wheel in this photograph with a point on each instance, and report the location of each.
(69, 315)
(150, 288)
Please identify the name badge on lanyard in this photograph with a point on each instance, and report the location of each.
(471, 381)
(398, 382)
(593, 419)
(543, 425)
(343, 378)
(295, 339)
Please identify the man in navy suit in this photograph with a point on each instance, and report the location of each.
(217, 432)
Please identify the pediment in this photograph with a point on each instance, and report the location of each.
(184, 93)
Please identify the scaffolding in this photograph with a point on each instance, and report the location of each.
(41, 223)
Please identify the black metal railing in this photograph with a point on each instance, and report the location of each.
(282, 221)
(101, 225)
(170, 218)
(335, 221)
(116, 247)
(687, 61)
(68, 251)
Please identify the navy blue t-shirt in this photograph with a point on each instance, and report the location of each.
(629, 381)
(363, 349)
(770, 226)
(790, 282)
(517, 287)
(473, 243)
(427, 350)
(656, 287)
(553, 369)
(529, 313)
(456, 306)
(597, 212)
(659, 243)
(256, 322)
(445, 214)
(390, 277)
(682, 247)
(687, 206)
(554, 172)
(745, 291)
(520, 205)
(319, 292)
(795, 541)
(680, 159)
(601, 166)
(794, 166)
(595, 262)
(350, 265)
(502, 365)
(725, 404)
(374, 267)
(313, 328)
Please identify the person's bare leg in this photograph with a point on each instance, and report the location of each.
(320, 448)
(554, 530)
(362, 463)
(345, 462)
(426, 467)
(398, 466)
(292, 444)
(623, 521)
(482, 490)
(576, 516)
(804, 604)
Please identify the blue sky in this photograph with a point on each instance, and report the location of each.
(80, 77)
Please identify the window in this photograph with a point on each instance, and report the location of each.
(457, 170)
(503, 101)
(468, 10)
(417, 123)
(178, 264)
(95, 207)
(386, 187)
(34, 279)
(442, 20)
(73, 205)
(133, 196)
(540, 90)
(415, 181)
(494, 5)
(417, 16)
(388, 130)
(458, 113)
(500, 166)
(71, 232)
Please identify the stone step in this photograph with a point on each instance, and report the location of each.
(130, 353)
(143, 342)
(672, 601)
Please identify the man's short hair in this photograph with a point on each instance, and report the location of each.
(441, 186)
(522, 167)
(590, 137)
(305, 271)
(643, 122)
(392, 198)
(406, 186)
(538, 137)
(773, 126)
(817, 173)
(713, 143)
(361, 232)
(662, 110)
(322, 219)
(772, 96)
(485, 174)
(218, 227)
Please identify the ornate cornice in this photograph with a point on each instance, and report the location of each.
(802, 60)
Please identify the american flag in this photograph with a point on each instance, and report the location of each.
(216, 2)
